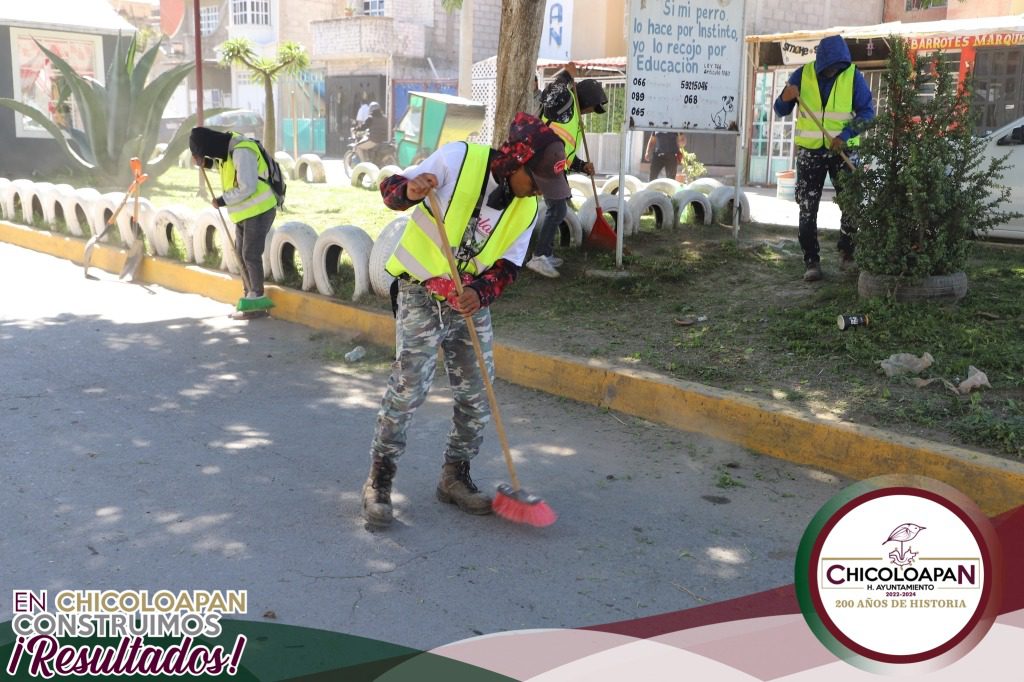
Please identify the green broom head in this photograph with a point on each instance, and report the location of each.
(249, 304)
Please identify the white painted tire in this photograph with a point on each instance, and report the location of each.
(651, 200)
(172, 219)
(266, 250)
(384, 173)
(721, 199)
(4, 184)
(383, 247)
(331, 245)
(287, 163)
(8, 191)
(570, 231)
(207, 231)
(33, 197)
(185, 159)
(581, 183)
(146, 214)
(309, 168)
(48, 202)
(702, 210)
(633, 185)
(666, 186)
(20, 190)
(610, 204)
(705, 185)
(100, 211)
(364, 174)
(75, 207)
(293, 238)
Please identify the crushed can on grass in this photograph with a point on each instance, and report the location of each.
(849, 321)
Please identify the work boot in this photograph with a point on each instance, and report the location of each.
(456, 487)
(813, 272)
(377, 492)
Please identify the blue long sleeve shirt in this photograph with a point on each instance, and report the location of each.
(832, 51)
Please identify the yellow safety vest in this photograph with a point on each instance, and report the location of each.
(834, 117)
(261, 200)
(419, 253)
(568, 131)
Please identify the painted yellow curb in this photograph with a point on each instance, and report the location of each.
(858, 452)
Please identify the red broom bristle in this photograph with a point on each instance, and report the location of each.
(536, 513)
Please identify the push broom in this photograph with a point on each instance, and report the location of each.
(511, 501)
(227, 235)
(602, 236)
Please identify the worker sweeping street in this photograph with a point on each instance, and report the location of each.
(488, 206)
(563, 105)
(250, 201)
(833, 94)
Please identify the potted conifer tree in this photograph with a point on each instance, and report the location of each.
(924, 189)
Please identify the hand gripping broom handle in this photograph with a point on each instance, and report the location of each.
(227, 233)
(817, 122)
(586, 150)
(499, 425)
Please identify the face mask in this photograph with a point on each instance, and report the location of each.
(501, 196)
(830, 72)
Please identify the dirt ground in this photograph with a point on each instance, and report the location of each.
(737, 315)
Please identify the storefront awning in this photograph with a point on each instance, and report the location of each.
(1012, 24)
(868, 44)
(81, 16)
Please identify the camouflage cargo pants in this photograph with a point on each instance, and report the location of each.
(421, 325)
(812, 165)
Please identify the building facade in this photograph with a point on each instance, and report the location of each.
(85, 36)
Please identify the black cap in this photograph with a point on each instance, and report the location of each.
(591, 94)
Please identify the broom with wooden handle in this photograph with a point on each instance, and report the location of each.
(227, 235)
(511, 501)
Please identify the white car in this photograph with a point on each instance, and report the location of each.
(1010, 139)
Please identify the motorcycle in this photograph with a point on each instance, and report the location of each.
(384, 154)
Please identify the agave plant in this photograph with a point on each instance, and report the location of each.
(121, 118)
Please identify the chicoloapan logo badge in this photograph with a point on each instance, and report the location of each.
(899, 572)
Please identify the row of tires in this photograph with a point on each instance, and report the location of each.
(295, 250)
(308, 167)
(666, 198)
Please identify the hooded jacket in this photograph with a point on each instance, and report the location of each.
(833, 56)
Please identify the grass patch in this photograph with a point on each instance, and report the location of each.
(766, 333)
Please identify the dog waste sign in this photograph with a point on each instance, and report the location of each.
(683, 70)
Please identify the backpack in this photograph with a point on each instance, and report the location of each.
(275, 178)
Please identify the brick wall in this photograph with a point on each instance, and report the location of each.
(296, 15)
(486, 28)
(782, 16)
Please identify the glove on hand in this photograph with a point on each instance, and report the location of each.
(444, 288)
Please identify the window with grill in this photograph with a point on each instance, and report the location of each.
(914, 5)
(251, 12)
(374, 8)
(209, 17)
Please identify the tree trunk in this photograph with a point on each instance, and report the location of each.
(269, 119)
(518, 44)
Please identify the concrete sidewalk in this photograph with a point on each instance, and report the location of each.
(152, 443)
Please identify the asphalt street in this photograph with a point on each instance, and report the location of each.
(150, 442)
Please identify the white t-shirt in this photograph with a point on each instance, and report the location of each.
(444, 165)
